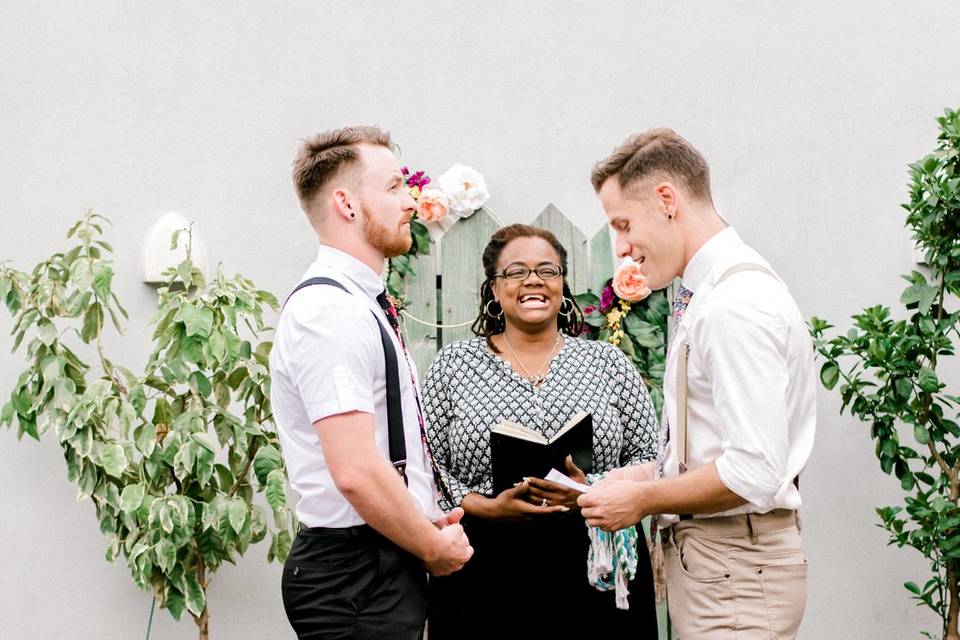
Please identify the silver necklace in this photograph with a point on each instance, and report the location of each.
(537, 378)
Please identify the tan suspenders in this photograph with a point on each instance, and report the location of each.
(683, 355)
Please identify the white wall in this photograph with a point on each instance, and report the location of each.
(809, 117)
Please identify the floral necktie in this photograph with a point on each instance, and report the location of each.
(391, 312)
(681, 300)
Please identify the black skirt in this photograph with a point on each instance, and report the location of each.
(529, 580)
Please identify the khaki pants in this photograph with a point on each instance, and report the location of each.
(742, 577)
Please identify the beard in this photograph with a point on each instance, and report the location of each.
(390, 242)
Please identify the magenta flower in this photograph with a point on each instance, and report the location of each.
(607, 299)
(587, 310)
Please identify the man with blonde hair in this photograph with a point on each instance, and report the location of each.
(348, 410)
(739, 403)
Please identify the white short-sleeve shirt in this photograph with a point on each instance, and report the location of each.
(327, 359)
(751, 391)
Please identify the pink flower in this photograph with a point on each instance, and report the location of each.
(432, 205)
(629, 283)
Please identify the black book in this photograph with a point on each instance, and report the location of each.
(517, 451)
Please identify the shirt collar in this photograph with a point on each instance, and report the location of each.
(707, 255)
(361, 274)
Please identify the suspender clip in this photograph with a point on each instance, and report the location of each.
(401, 467)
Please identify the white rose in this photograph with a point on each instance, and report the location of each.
(465, 188)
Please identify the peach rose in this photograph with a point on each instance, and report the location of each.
(433, 205)
(629, 283)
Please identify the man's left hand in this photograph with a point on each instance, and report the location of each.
(614, 504)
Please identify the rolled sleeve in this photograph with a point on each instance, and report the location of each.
(333, 355)
(745, 354)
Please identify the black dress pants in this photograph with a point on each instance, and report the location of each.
(353, 583)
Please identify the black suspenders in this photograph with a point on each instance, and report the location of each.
(398, 448)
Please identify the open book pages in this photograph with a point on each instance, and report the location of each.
(567, 481)
(516, 430)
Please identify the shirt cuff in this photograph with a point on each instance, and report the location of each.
(738, 471)
(344, 404)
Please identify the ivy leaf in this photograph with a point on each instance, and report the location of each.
(276, 489)
(113, 459)
(131, 497)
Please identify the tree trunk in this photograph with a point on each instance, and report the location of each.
(202, 624)
(203, 619)
(954, 609)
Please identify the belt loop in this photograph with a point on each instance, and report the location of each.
(799, 526)
(754, 534)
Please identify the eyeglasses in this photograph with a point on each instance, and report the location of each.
(519, 272)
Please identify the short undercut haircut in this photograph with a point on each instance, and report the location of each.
(655, 152)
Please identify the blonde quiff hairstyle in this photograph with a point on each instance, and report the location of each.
(324, 156)
(657, 151)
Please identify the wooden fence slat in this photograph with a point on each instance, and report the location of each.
(421, 297)
(601, 260)
(462, 272)
(573, 241)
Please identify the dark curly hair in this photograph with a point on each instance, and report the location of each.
(488, 325)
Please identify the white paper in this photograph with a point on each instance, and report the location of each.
(567, 481)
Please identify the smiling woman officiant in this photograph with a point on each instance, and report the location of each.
(528, 576)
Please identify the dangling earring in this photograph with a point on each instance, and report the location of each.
(486, 310)
(569, 312)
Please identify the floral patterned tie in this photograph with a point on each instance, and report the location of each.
(681, 300)
(391, 312)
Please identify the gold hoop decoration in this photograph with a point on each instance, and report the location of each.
(500, 224)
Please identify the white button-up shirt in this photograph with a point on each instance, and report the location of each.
(751, 399)
(327, 359)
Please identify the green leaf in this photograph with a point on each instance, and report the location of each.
(145, 437)
(830, 374)
(921, 434)
(265, 461)
(922, 295)
(198, 322)
(201, 384)
(92, 322)
(276, 489)
(113, 459)
(166, 555)
(102, 279)
(196, 599)
(166, 518)
(174, 238)
(238, 514)
(131, 497)
(176, 604)
(911, 587)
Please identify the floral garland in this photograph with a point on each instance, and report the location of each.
(627, 314)
(457, 193)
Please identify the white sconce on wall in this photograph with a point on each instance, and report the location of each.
(156, 255)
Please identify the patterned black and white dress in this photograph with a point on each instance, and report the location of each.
(541, 565)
